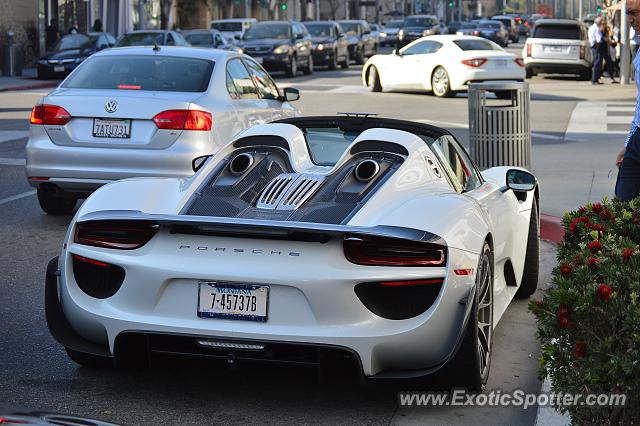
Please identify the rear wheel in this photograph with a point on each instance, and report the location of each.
(470, 366)
(440, 83)
(52, 204)
(529, 283)
(373, 80)
(293, 67)
(309, 68)
(89, 360)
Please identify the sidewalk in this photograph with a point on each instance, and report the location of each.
(28, 81)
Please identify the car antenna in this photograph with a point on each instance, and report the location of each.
(156, 48)
(358, 114)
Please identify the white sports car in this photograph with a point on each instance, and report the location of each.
(369, 239)
(442, 64)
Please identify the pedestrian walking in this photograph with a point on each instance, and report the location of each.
(628, 183)
(609, 51)
(597, 47)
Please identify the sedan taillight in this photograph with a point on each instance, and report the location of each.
(182, 119)
(115, 234)
(383, 251)
(49, 114)
(475, 62)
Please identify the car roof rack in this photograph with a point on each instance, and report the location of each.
(358, 114)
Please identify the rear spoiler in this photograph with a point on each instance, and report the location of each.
(269, 229)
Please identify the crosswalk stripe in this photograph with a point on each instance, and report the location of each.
(16, 197)
(12, 162)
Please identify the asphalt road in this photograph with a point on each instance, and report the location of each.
(36, 374)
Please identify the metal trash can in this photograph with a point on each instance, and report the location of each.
(499, 129)
(12, 57)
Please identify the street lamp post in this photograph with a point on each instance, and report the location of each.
(624, 45)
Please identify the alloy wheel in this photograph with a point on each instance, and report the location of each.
(440, 82)
(485, 313)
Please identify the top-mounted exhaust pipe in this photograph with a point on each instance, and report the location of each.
(240, 163)
(366, 170)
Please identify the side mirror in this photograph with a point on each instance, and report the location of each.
(290, 94)
(198, 162)
(519, 181)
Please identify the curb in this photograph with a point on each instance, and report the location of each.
(42, 85)
(551, 228)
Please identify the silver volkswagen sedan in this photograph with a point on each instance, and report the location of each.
(144, 111)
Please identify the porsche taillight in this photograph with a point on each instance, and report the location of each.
(49, 114)
(115, 234)
(384, 251)
(182, 119)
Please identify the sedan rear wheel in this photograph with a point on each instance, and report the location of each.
(440, 83)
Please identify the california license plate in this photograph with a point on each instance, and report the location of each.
(246, 302)
(501, 64)
(111, 128)
(58, 68)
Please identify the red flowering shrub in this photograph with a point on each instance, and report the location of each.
(589, 321)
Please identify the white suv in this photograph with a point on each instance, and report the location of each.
(558, 46)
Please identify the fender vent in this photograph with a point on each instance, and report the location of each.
(289, 191)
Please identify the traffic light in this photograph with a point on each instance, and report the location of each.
(284, 7)
(451, 4)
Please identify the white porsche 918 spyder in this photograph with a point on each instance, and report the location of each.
(374, 240)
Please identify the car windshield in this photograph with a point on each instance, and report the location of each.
(506, 22)
(320, 30)
(227, 26)
(489, 25)
(476, 45)
(260, 31)
(74, 41)
(350, 28)
(200, 39)
(418, 22)
(153, 73)
(563, 32)
(140, 39)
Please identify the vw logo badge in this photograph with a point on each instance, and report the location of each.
(111, 106)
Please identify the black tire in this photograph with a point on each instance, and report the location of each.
(292, 70)
(442, 89)
(89, 360)
(360, 56)
(529, 73)
(333, 63)
(345, 63)
(51, 204)
(373, 80)
(529, 283)
(468, 368)
(308, 70)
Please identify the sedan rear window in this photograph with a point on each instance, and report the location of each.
(75, 41)
(200, 39)
(154, 73)
(227, 26)
(563, 32)
(476, 45)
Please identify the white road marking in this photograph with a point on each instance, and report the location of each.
(11, 135)
(12, 162)
(548, 416)
(16, 197)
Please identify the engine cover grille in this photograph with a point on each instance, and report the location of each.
(289, 191)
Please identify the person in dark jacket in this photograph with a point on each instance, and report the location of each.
(51, 34)
(97, 26)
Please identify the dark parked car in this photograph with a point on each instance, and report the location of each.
(330, 45)
(468, 28)
(70, 51)
(389, 34)
(510, 25)
(494, 31)
(362, 44)
(151, 37)
(454, 26)
(417, 26)
(279, 46)
(208, 38)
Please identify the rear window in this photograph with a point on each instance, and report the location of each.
(490, 25)
(200, 39)
(154, 73)
(141, 39)
(476, 45)
(320, 30)
(418, 22)
(227, 26)
(506, 22)
(468, 25)
(563, 32)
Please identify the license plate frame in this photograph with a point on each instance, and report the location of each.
(261, 291)
(126, 134)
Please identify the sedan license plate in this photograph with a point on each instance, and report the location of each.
(58, 68)
(111, 128)
(501, 63)
(246, 302)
